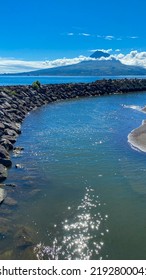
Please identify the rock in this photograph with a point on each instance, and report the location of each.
(1, 133)
(20, 166)
(6, 255)
(3, 172)
(13, 126)
(5, 227)
(4, 220)
(24, 237)
(12, 139)
(17, 151)
(10, 132)
(35, 192)
(10, 185)
(2, 127)
(2, 195)
(27, 254)
(10, 201)
(6, 144)
(6, 211)
(3, 152)
(144, 109)
(6, 162)
(7, 185)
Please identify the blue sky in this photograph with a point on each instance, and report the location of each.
(41, 30)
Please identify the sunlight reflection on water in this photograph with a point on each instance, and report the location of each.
(82, 235)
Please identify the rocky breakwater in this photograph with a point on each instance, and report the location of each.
(17, 101)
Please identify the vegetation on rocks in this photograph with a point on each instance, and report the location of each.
(36, 85)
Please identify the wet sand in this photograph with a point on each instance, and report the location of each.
(137, 137)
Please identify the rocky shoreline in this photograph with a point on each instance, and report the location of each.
(17, 101)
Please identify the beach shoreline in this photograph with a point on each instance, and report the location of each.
(137, 137)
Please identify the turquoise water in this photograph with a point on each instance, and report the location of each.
(81, 191)
(26, 80)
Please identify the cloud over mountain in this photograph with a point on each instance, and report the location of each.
(133, 58)
(9, 65)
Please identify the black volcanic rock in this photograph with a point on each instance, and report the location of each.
(3, 172)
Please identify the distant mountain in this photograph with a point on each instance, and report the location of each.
(109, 67)
(99, 54)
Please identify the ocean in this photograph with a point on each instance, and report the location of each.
(26, 80)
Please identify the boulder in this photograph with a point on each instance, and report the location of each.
(13, 126)
(5, 227)
(24, 237)
(20, 166)
(6, 144)
(10, 201)
(2, 127)
(10, 185)
(10, 132)
(2, 195)
(1, 132)
(6, 162)
(3, 152)
(12, 139)
(17, 151)
(3, 172)
(7, 255)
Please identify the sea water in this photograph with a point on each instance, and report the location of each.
(28, 80)
(80, 191)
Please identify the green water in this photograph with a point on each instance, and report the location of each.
(81, 193)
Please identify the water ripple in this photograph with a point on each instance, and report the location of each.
(82, 236)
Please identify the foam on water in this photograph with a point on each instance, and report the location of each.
(134, 107)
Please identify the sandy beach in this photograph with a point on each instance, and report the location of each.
(137, 137)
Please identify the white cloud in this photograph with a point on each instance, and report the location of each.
(85, 34)
(102, 50)
(78, 34)
(109, 37)
(133, 58)
(11, 65)
(132, 37)
(92, 51)
(103, 37)
(8, 65)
